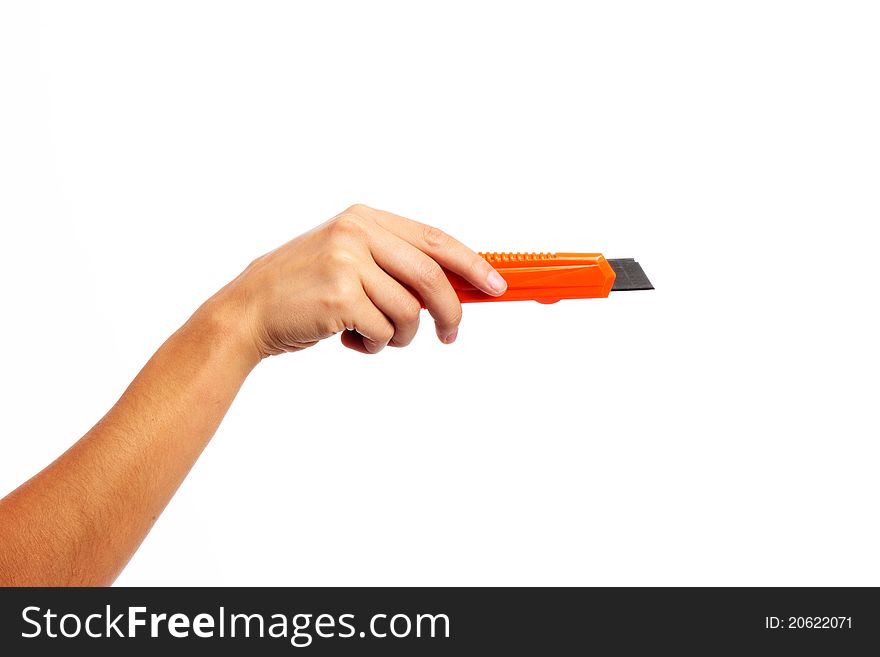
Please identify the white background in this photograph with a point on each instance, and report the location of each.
(719, 430)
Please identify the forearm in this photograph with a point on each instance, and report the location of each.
(80, 520)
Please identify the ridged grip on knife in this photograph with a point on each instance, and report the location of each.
(543, 277)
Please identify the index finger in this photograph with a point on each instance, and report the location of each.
(445, 250)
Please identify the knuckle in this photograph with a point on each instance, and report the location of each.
(400, 342)
(480, 268)
(431, 276)
(434, 237)
(348, 225)
(411, 311)
(341, 294)
(339, 260)
(358, 209)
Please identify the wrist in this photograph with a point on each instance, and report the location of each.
(225, 320)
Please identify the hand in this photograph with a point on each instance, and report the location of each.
(360, 274)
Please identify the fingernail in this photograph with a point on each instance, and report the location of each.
(496, 282)
(449, 339)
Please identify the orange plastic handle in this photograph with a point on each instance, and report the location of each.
(543, 277)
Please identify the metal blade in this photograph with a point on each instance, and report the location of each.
(630, 275)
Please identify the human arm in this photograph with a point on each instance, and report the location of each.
(361, 274)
